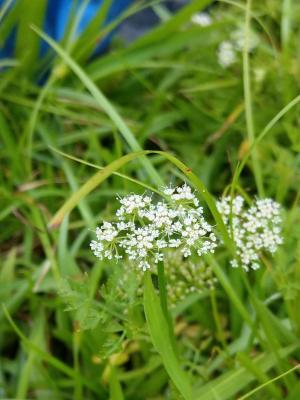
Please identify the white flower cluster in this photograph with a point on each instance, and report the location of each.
(254, 230)
(226, 54)
(228, 49)
(146, 230)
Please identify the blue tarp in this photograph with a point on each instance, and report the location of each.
(57, 17)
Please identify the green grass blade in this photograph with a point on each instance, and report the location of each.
(103, 102)
(227, 386)
(129, 178)
(261, 376)
(158, 328)
(259, 138)
(90, 185)
(37, 337)
(27, 43)
(59, 365)
(87, 41)
(115, 388)
(170, 26)
(286, 23)
(5, 7)
(229, 289)
(248, 103)
(249, 394)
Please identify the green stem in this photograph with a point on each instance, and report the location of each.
(248, 104)
(162, 289)
(216, 316)
(162, 286)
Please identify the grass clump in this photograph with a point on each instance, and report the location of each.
(164, 108)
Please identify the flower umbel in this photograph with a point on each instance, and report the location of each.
(228, 49)
(145, 230)
(253, 230)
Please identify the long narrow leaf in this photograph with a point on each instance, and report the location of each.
(231, 383)
(159, 332)
(103, 102)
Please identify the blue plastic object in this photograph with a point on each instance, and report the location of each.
(57, 16)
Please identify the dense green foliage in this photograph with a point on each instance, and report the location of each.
(71, 326)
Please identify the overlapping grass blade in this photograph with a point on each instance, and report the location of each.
(90, 185)
(43, 355)
(103, 102)
(230, 384)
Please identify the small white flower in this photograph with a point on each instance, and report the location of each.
(202, 19)
(168, 190)
(228, 49)
(144, 265)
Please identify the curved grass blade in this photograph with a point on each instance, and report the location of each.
(204, 193)
(90, 185)
(229, 384)
(129, 178)
(5, 8)
(100, 176)
(103, 102)
(269, 382)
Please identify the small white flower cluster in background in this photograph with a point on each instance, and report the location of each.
(228, 49)
(253, 229)
(238, 39)
(202, 19)
(145, 230)
(226, 54)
